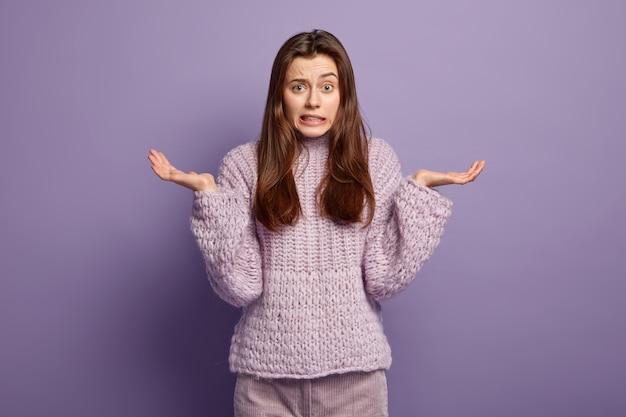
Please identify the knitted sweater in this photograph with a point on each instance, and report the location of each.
(310, 293)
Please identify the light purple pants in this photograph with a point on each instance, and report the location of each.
(356, 394)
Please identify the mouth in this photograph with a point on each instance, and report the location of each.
(311, 119)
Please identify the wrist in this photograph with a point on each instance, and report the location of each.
(421, 177)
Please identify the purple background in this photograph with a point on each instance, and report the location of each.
(104, 306)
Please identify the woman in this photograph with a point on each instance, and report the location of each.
(307, 229)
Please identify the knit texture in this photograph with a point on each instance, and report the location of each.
(310, 293)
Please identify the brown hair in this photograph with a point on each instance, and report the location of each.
(347, 185)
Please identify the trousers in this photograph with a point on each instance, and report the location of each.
(355, 394)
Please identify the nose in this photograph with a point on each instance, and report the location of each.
(313, 99)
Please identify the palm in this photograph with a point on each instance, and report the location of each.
(163, 168)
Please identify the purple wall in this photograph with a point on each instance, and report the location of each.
(104, 306)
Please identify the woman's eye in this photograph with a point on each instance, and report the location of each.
(298, 88)
(327, 87)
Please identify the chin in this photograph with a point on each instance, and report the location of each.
(313, 132)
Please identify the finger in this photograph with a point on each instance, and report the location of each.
(474, 170)
(152, 156)
(157, 156)
(159, 173)
(475, 165)
(478, 168)
(155, 162)
(162, 160)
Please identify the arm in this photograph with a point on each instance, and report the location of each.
(223, 224)
(407, 226)
(399, 247)
(224, 227)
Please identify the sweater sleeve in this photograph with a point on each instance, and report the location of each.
(223, 225)
(407, 226)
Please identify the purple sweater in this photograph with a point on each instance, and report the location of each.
(310, 293)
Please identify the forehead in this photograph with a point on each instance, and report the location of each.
(308, 67)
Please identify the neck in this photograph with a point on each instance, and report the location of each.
(313, 141)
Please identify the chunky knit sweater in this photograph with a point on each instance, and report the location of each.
(310, 293)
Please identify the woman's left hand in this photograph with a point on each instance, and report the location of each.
(434, 178)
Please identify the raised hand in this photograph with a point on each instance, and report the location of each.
(434, 178)
(168, 172)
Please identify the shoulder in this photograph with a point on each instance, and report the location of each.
(245, 152)
(384, 167)
(243, 155)
(382, 156)
(239, 164)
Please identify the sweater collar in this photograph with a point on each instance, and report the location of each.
(314, 141)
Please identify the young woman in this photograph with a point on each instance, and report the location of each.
(307, 229)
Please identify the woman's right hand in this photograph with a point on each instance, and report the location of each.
(168, 172)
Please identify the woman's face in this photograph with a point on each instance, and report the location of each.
(311, 94)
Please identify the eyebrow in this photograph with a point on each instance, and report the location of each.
(326, 75)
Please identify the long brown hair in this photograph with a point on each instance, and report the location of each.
(347, 186)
